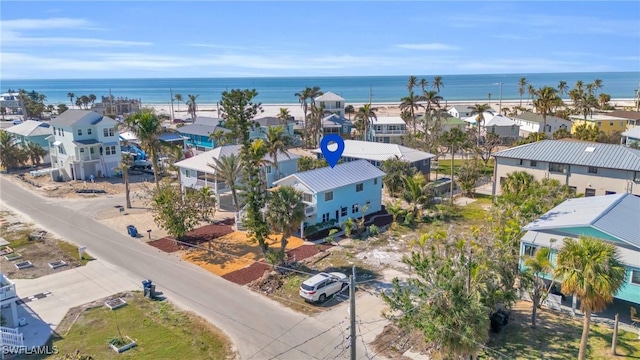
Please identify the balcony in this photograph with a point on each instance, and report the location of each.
(222, 186)
(8, 289)
(388, 132)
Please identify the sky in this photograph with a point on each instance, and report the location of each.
(172, 39)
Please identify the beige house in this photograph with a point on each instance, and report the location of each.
(331, 102)
(589, 168)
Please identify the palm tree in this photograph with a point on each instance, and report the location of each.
(522, 84)
(192, 106)
(314, 127)
(11, 155)
(531, 90)
(309, 93)
(479, 110)
(563, 88)
(536, 267)
(437, 83)
(79, 103)
(178, 98)
(93, 98)
(546, 99)
(34, 151)
(71, 95)
(219, 137)
(286, 213)
(367, 115)
(579, 85)
(413, 81)
(147, 127)
(125, 164)
(518, 182)
(589, 269)
(276, 142)
(454, 140)
(416, 192)
(229, 169)
(591, 88)
(349, 109)
(411, 104)
(432, 100)
(284, 115)
(423, 85)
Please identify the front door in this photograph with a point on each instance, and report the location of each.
(338, 215)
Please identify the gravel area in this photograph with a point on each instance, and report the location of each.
(196, 237)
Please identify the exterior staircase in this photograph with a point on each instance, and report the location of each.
(239, 217)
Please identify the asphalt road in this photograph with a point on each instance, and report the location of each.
(259, 327)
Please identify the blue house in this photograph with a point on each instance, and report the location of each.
(263, 125)
(339, 193)
(336, 124)
(32, 131)
(613, 218)
(199, 133)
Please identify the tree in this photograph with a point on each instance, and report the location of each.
(306, 163)
(192, 106)
(309, 93)
(416, 192)
(597, 85)
(412, 83)
(491, 141)
(314, 126)
(432, 100)
(221, 137)
(179, 213)
(586, 132)
(92, 98)
(239, 109)
(11, 154)
(561, 133)
(276, 142)
(522, 84)
(410, 104)
(178, 98)
(349, 109)
(546, 99)
(147, 127)
(229, 169)
(34, 151)
(396, 170)
(479, 110)
(537, 266)
(71, 96)
(125, 165)
(437, 83)
(367, 115)
(603, 100)
(563, 88)
(589, 269)
(423, 84)
(454, 140)
(468, 174)
(285, 213)
(284, 115)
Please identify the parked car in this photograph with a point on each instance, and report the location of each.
(17, 122)
(141, 164)
(178, 121)
(322, 285)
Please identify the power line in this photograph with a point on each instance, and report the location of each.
(306, 341)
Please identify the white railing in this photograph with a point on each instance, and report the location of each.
(7, 291)
(222, 187)
(389, 132)
(11, 337)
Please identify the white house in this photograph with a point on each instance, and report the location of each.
(506, 129)
(84, 144)
(631, 136)
(338, 193)
(459, 111)
(532, 123)
(11, 102)
(196, 173)
(388, 129)
(331, 102)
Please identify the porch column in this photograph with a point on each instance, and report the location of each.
(14, 314)
(215, 187)
(205, 179)
(302, 229)
(82, 170)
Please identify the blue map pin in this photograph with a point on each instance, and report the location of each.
(332, 156)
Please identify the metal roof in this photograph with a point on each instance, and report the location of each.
(633, 133)
(200, 162)
(271, 121)
(500, 120)
(31, 128)
(172, 137)
(334, 120)
(615, 215)
(329, 96)
(375, 151)
(205, 120)
(537, 118)
(73, 117)
(388, 120)
(200, 129)
(612, 156)
(328, 178)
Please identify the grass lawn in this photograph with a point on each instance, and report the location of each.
(72, 250)
(444, 166)
(161, 331)
(556, 337)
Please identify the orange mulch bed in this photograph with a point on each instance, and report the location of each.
(257, 269)
(198, 236)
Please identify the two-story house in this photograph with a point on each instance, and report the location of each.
(35, 132)
(336, 124)
(376, 153)
(338, 193)
(331, 102)
(84, 144)
(506, 129)
(612, 218)
(387, 129)
(196, 172)
(633, 117)
(605, 123)
(262, 125)
(199, 133)
(589, 168)
(10, 336)
(533, 123)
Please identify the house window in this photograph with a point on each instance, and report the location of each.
(88, 131)
(636, 177)
(521, 161)
(555, 167)
(306, 197)
(343, 211)
(79, 132)
(610, 123)
(108, 132)
(599, 123)
(328, 196)
(92, 150)
(359, 187)
(368, 203)
(592, 170)
(338, 104)
(269, 169)
(325, 217)
(187, 173)
(609, 192)
(81, 150)
(375, 181)
(635, 277)
(533, 163)
(529, 250)
(355, 208)
(589, 192)
(321, 103)
(110, 150)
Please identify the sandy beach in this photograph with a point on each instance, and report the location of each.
(383, 109)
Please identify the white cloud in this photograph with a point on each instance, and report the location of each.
(431, 46)
(11, 38)
(39, 24)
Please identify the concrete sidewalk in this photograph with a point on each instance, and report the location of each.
(53, 295)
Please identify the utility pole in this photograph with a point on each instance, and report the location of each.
(352, 311)
(172, 114)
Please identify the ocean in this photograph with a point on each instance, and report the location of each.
(281, 90)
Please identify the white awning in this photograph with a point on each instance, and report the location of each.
(57, 143)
